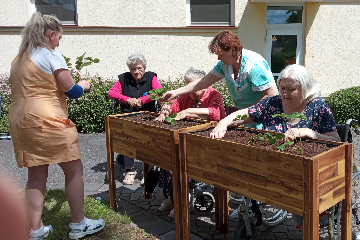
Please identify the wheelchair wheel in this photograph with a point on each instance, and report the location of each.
(356, 203)
(241, 234)
(271, 216)
(207, 206)
(236, 198)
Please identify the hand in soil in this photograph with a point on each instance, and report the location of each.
(293, 133)
(219, 131)
(181, 115)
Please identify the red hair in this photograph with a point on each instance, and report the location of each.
(225, 40)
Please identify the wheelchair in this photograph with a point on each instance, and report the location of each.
(249, 219)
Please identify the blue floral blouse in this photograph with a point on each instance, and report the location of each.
(318, 114)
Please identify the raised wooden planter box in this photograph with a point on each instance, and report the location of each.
(153, 145)
(301, 185)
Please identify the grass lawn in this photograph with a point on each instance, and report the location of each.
(56, 212)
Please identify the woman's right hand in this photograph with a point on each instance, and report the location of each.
(168, 96)
(160, 118)
(84, 84)
(219, 131)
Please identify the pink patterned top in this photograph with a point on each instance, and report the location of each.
(212, 100)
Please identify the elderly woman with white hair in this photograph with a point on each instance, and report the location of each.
(131, 91)
(299, 92)
(206, 103)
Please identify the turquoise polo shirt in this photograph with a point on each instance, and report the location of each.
(254, 77)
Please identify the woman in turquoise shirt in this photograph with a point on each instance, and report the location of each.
(247, 74)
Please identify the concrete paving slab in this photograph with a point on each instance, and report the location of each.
(172, 236)
(151, 223)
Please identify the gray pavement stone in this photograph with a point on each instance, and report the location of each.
(172, 236)
(154, 225)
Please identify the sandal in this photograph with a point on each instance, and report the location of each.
(166, 205)
(129, 178)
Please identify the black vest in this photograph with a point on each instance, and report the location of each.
(133, 90)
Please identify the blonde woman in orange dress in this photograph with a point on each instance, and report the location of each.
(41, 131)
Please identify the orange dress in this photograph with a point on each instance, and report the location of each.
(38, 117)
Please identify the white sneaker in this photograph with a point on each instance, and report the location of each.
(234, 214)
(40, 233)
(86, 226)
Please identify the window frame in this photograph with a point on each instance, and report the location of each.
(64, 23)
(230, 24)
(286, 29)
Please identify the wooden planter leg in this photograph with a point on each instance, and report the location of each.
(146, 168)
(221, 210)
(180, 188)
(111, 165)
(346, 211)
(311, 201)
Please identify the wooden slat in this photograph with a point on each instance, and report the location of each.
(180, 186)
(346, 212)
(272, 164)
(143, 152)
(331, 157)
(145, 133)
(285, 196)
(111, 167)
(311, 200)
(221, 210)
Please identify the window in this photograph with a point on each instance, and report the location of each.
(64, 10)
(284, 36)
(210, 12)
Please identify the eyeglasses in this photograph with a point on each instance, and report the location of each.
(140, 69)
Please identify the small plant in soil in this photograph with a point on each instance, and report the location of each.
(293, 116)
(156, 94)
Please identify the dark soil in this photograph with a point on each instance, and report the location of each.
(310, 148)
(149, 118)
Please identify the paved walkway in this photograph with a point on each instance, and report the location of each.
(142, 211)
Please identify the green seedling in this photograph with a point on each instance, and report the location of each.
(240, 117)
(293, 116)
(272, 139)
(259, 136)
(156, 94)
(282, 146)
(171, 119)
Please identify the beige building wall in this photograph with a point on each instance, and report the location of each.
(111, 33)
(331, 47)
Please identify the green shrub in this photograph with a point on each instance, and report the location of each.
(88, 111)
(345, 104)
(5, 94)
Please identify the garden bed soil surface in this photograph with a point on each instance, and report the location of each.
(149, 118)
(310, 148)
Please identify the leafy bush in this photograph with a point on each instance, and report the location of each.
(345, 104)
(5, 94)
(88, 111)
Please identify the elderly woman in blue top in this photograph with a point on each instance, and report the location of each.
(247, 74)
(299, 92)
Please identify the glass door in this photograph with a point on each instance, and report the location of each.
(283, 47)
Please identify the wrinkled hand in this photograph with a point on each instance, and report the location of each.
(293, 133)
(165, 112)
(132, 102)
(138, 102)
(168, 96)
(219, 131)
(181, 115)
(160, 118)
(84, 84)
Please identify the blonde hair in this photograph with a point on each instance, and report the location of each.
(33, 32)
